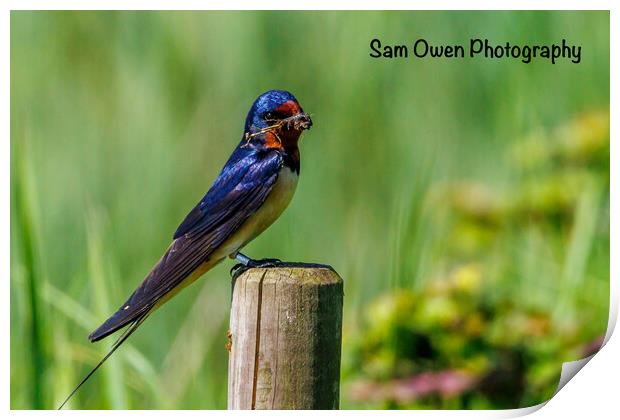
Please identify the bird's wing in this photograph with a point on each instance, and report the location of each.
(237, 193)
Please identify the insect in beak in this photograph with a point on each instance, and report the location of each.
(299, 122)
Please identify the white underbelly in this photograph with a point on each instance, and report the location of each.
(277, 200)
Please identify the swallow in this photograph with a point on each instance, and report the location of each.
(252, 190)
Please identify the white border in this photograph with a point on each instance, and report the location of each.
(595, 390)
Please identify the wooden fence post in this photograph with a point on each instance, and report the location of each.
(286, 330)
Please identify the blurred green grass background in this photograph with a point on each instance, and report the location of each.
(464, 202)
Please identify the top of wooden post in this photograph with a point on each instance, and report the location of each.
(294, 272)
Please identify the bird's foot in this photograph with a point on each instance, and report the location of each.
(265, 262)
(247, 263)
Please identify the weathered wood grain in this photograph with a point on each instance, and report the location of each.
(286, 327)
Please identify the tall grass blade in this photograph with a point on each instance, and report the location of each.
(26, 237)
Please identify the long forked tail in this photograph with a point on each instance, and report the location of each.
(128, 332)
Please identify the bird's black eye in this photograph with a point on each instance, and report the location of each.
(269, 116)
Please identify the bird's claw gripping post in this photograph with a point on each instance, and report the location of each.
(245, 263)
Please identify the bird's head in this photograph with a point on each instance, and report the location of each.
(276, 120)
